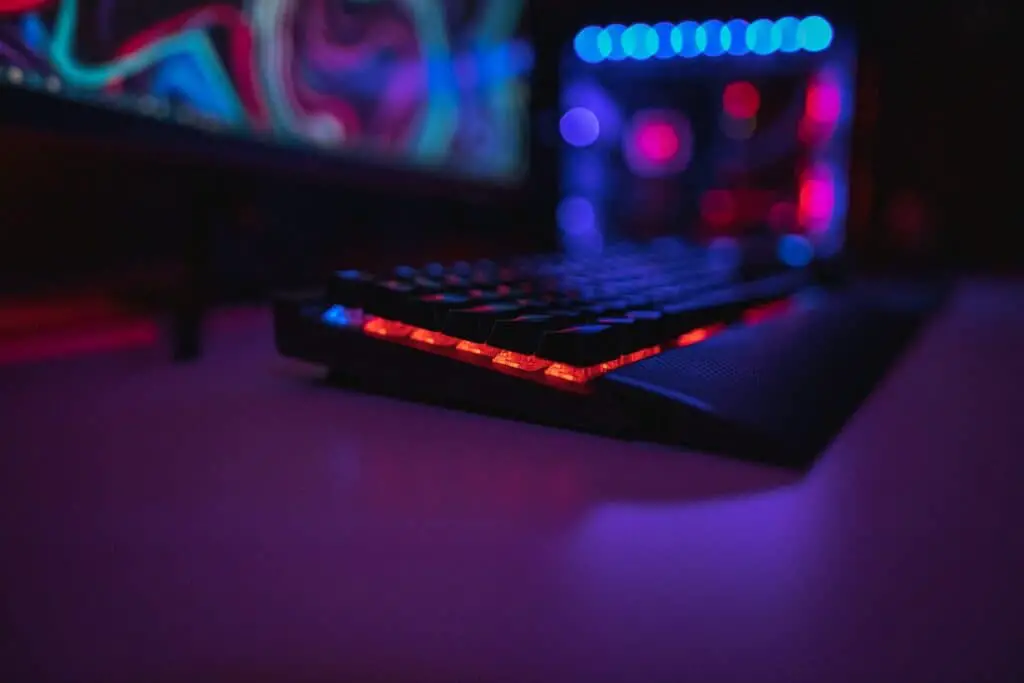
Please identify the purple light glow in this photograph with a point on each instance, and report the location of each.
(576, 216)
(592, 96)
(580, 127)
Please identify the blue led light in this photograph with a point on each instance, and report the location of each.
(738, 37)
(651, 43)
(676, 39)
(725, 38)
(336, 316)
(760, 37)
(700, 38)
(663, 32)
(795, 251)
(604, 44)
(717, 38)
(713, 38)
(814, 34)
(785, 34)
(585, 45)
(689, 39)
(614, 34)
(640, 42)
(630, 40)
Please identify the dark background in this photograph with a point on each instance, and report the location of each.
(930, 178)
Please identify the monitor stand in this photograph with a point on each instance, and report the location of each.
(193, 291)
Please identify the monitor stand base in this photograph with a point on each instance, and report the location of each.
(192, 299)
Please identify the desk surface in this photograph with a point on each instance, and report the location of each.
(234, 521)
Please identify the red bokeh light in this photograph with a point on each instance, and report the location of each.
(741, 100)
(718, 208)
(817, 199)
(824, 102)
(657, 141)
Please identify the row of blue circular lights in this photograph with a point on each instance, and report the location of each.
(711, 38)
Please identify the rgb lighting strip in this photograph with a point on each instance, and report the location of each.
(522, 365)
(712, 38)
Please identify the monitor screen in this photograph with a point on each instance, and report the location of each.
(439, 85)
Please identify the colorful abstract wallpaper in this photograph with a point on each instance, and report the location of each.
(439, 84)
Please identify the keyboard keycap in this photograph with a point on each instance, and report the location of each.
(565, 317)
(523, 333)
(606, 309)
(389, 299)
(638, 301)
(724, 305)
(647, 329)
(429, 312)
(510, 276)
(508, 294)
(582, 346)
(349, 288)
(625, 329)
(426, 285)
(475, 324)
(484, 296)
(533, 306)
(702, 311)
(406, 273)
(485, 274)
(454, 282)
(774, 288)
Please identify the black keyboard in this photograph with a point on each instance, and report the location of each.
(599, 344)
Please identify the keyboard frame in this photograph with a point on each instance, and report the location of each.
(826, 372)
(408, 370)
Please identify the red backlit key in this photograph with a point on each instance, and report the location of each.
(606, 309)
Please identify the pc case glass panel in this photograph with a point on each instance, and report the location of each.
(717, 129)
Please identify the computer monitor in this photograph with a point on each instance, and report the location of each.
(716, 129)
(432, 86)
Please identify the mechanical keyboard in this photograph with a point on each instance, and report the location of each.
(664, 342)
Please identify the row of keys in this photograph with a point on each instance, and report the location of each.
(514, 308)
(352, 288)
(578, 339)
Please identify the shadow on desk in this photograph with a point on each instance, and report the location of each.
(423, 462)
